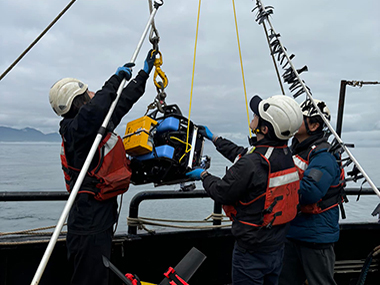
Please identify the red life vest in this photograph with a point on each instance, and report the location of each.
(281, 197)
(334, 196)
(109, 178)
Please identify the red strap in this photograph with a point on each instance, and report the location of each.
(170, 274)
(132, 278)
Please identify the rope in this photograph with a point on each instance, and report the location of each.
(181, 141)
(37, 39)
(141, 221)
(242, 69)
(29, 242)
(30, 231)
(367, 265)
(192, 77)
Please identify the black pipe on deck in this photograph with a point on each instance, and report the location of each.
(6, 196)
(137, 199)
(19, 196)
(158, 195)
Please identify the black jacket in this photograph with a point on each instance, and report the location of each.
(87, 214)
(246, 179)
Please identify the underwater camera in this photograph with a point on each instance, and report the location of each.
(163, 147)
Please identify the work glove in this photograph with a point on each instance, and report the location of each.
(124, 72)
(195, 173)
(205, 132)
(149, 61)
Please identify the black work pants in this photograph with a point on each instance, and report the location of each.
(256, 268)
(85, 256)
(314, 264)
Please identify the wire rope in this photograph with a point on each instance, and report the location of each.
(36, 40)
(192, 77)
(241, 65)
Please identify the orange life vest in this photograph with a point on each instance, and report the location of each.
(281, 196)
(109, 178)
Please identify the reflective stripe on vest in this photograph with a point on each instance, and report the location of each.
(281, 197)
(281, 180)
(300, 163)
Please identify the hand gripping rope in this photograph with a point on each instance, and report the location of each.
(297, 86)
(89, 158)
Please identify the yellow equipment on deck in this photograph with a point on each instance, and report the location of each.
(137, 139)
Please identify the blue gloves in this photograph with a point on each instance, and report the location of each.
(124, 72)
(205, 132)
(195, 174)
(149, 61)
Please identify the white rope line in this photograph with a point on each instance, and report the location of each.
(29, 242)
(30, 231)
(141, 221)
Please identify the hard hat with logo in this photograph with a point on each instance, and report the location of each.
(63, 92)
(282, 112)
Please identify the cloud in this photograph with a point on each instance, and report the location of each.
(334, 39)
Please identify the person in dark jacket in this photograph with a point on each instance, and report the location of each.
(309, 250)
(260, 190)
(94, 211)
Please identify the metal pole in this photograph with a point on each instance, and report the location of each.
(217, 210)
(342, 96)
(86, 165)
(36, 40)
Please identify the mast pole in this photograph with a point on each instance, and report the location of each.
(263, 15)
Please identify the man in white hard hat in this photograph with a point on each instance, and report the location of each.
(94, 212)
(260, 190)
(309, 250)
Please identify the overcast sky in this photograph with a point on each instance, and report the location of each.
(335, 39)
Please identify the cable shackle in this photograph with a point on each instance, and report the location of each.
(292, 76)
(158, 72)
(159, 100)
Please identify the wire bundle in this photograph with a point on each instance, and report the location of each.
(290, 75)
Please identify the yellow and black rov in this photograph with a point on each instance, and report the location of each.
(163, 147)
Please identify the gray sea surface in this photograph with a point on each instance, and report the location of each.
(36, 167)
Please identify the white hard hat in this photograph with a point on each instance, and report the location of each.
(308, 109)
(282, 112)
(63, 92)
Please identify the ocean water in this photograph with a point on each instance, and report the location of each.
(36, 167)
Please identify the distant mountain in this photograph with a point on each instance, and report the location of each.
(27, 134)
